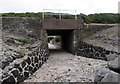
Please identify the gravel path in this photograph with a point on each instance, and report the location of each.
(65, 67)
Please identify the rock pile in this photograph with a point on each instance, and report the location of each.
(109, 74)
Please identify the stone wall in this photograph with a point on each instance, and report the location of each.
(28, 57)
(90, 51)
(20, 69)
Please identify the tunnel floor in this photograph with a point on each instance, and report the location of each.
(65, 67)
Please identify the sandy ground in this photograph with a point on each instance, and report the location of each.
(65, 67)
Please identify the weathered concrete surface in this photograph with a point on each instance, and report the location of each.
(61, 24)
(69, 39)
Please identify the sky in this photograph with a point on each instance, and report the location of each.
(81, 6)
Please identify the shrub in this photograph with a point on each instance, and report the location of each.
(30, 35)
(23, 40)
(50, 38)
(21, 53)
(57, 38)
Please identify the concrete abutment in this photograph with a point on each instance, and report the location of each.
(69, 39)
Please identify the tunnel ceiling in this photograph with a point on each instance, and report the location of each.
(58, 32)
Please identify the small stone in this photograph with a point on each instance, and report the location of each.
(10, 79)
(89, 64)
(52, 75)
(15, 73)
(69, 69)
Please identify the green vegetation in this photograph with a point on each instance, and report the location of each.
(83, 36)
(106, 18)
(21, 52)
(30, 35)
(50, 38)
(23, 40)
(57, 38)
(30, 49)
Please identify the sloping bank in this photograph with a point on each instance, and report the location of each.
(99, 42)
(22, 34)
(103, 45)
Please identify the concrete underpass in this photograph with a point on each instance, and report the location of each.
(67, 39)
(68, 29)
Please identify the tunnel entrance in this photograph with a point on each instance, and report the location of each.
(54, 43)
(65, 38)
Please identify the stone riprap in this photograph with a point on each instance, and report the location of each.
(24, 48)
(20, 69)
(109, 74)
(62, 66)
(91, 51)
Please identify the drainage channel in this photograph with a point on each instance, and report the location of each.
(65, 67)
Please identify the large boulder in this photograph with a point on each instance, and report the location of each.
(111, 77)
(110, 74)
(111, 57)
(115, 64)
(100, 74)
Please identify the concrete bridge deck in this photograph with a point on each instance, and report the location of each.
(67, 24)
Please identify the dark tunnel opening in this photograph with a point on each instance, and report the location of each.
(66, 39)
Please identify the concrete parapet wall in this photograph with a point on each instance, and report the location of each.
(61, 24)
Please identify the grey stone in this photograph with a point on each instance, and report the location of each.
(0, 73)
(9, 80)
(15, 72)
(111, 57)
(36, 44)
(20, 78)
(111, 77)
(115, 64)
(4, 63)
(100, 74)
